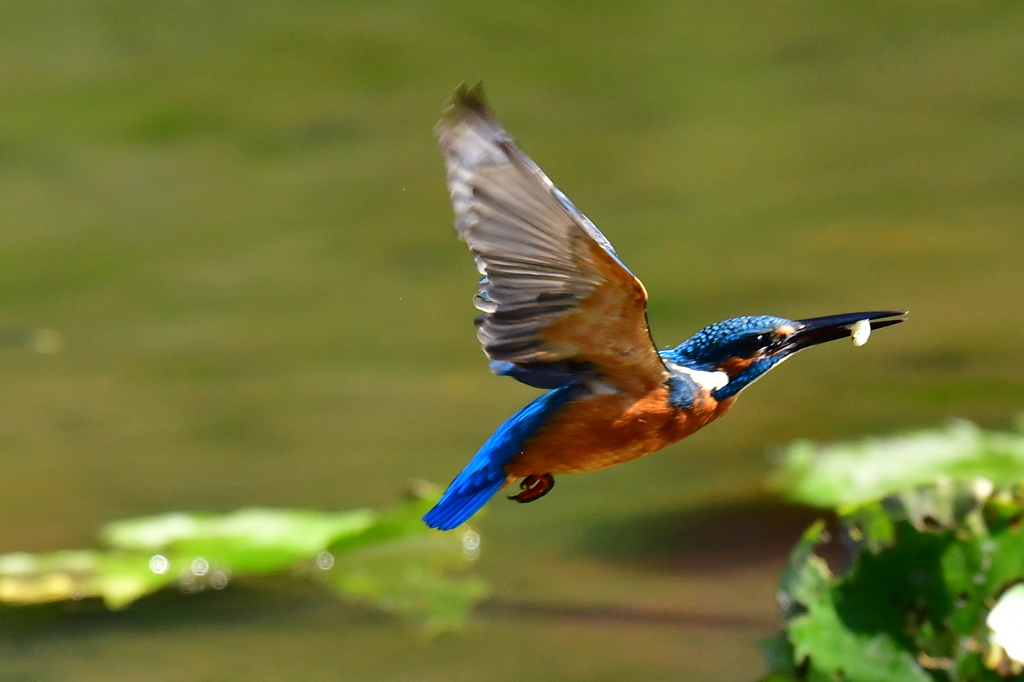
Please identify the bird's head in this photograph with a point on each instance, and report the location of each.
(744, 348)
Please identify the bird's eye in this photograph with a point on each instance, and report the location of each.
(759, 338)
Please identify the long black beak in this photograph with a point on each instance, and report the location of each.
(815, 330)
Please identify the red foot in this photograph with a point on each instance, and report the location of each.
(534, 488)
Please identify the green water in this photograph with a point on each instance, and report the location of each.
(234, 215)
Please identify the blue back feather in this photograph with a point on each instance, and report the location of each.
(485, 473)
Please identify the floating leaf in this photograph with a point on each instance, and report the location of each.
(403, 577)
(390, 560)
(245, 541)
(117, 579)
(396, 566)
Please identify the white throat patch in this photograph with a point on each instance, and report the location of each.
(709, 381)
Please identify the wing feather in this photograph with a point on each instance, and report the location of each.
(553, 290)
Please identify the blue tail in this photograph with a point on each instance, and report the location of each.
(485, 473)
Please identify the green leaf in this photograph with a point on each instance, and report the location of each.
(805, 575)
(857, 623)
(398, 567)
(245, 541)
(868, 526)
(407, 577)
(390, 560)
(933, 527)
(848, 474)
(780, 656)
(118, 579)
(901, 592)
(922, 596)
(776, 676)
(971, 668)
(834, 651)
(406, 520)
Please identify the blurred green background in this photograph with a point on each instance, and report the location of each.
(233, 215)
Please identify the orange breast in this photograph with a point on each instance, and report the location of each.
(608, 429)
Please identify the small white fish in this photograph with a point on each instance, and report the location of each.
(860, 332)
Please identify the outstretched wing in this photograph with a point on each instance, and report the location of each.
(553, 293)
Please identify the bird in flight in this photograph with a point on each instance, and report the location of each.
(561, 312)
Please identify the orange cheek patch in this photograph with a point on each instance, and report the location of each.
(734, 366)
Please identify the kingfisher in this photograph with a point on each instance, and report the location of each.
(561, 312)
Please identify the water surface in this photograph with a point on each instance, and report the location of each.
(234, 216)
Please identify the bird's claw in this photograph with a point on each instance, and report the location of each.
(534, 488)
